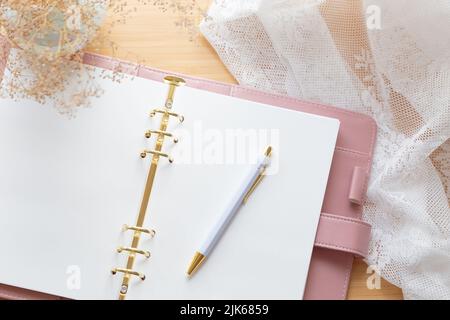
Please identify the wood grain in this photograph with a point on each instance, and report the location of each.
(152, 37)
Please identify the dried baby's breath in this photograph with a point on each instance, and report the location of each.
(49, 36)
(188, 13)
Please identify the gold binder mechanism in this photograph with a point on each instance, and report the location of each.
(127, 272)
(156, 153)
(172, 114)
(149, 133)
(151, 232)
(135, 250)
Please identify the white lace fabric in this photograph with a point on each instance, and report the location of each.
(323, 51)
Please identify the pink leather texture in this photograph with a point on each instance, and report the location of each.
(357, 187)
(353, 235)
(341, 234)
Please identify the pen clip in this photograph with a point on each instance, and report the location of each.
(254, 186)
(260, 177)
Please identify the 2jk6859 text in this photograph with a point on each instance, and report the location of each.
(229, 310)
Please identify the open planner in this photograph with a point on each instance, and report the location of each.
(113, 202)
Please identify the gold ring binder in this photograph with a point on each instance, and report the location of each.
(128, 271)
(135, 250)
(156, 153)
(176, 115)
(173, 82)
(149, 133)
(151, 232)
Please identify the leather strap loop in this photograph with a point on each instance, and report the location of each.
(343, 234)
(358, 186)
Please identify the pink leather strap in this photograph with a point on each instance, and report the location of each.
(343, 234)
(358, 185)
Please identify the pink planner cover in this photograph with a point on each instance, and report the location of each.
(341, 234)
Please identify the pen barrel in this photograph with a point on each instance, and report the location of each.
(233, 206)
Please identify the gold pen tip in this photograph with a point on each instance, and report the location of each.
(268, 152)
(196, 261)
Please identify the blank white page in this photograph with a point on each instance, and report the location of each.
(68, 185)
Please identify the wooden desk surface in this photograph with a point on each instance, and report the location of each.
(152, 37)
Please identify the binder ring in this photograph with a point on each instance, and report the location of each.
(173, 114)
(148, 134)
(156, 153)
(134, 250)
(150, 232)
(128, 271)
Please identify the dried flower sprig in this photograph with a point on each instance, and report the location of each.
(49, 37)
(189, 13)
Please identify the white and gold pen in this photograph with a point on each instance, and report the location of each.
(250, 183)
